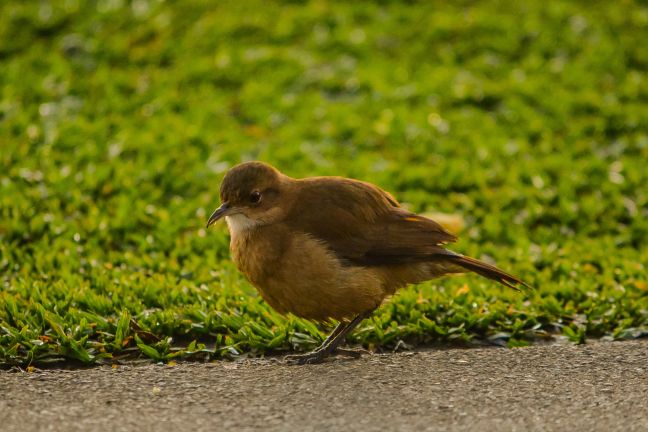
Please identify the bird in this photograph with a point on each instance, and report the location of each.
(332, 248)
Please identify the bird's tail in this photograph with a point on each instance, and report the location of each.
(488, 271)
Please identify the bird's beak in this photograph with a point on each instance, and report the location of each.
(218, 213)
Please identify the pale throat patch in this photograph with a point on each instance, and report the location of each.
(239, 224)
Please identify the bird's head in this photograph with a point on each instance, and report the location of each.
(250, 196)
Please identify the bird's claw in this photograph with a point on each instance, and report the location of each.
(314, 357)
(308, 358)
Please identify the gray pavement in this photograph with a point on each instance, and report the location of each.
(601, 386)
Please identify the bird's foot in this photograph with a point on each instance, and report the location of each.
(308, 358)
(355, 353)
(318, 356)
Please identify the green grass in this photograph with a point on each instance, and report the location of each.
(118, 120)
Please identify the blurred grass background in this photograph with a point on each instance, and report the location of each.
(119, 118)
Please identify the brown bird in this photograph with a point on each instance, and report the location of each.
(330, 247)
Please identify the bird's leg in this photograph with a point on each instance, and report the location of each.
(330, 344)
(301, 358)
(336, 331)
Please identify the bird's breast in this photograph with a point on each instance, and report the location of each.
(297, 273)
(255, 255)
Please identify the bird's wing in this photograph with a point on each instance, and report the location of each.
(365, 225)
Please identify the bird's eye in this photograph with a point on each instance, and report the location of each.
(255, 197)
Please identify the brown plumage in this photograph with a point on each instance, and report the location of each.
(332, 247)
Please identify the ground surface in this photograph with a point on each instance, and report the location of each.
(598, 386)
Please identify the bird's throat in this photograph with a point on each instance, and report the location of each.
(239, 224)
